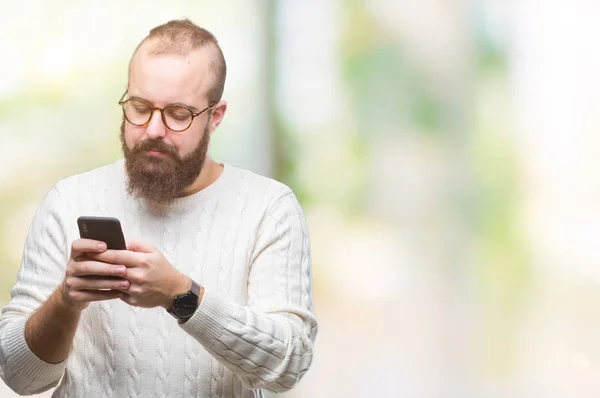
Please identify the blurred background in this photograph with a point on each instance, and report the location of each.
(446, 154)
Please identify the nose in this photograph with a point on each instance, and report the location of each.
(156, 128)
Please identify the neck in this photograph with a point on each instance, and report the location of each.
(211, 171)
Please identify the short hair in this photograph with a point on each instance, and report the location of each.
(180, 37)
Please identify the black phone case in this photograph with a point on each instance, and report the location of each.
(104, 229)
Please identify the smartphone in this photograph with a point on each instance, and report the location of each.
(104, 229)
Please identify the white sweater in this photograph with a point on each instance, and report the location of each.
(244, 238)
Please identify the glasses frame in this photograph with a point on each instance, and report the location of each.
(153, 108)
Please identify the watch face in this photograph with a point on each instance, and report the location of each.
(186, 305)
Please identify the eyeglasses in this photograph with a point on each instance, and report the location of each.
(177, 118)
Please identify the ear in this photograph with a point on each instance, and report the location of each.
(218, 113)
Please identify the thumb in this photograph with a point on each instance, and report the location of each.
(140, 246)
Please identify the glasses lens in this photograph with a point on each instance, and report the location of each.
(137, 112)
(177, 118)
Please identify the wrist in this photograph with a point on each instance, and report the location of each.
(186, 304)
(181, 285)
(200, 295)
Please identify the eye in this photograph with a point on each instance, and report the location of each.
(139, 106)
(178, 112)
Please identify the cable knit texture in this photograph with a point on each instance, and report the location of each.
(244, 238)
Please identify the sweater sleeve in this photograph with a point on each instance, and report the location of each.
(268, 343)
(42, 269)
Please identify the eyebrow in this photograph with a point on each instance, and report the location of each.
(192, 108)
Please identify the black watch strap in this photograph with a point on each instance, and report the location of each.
(195, 288)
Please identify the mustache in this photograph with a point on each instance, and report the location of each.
(154, 145)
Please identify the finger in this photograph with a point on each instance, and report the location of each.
(86, 245)
(137, 276)
(119, 257)
(86, 296)
(94, 283)
(140, 246)
(131, 300)
(90, 267)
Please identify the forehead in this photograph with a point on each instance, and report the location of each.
(170, 78)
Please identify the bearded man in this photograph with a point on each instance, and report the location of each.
(106, 323)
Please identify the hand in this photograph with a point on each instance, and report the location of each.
(153, 280)
(87, 280)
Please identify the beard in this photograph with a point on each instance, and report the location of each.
(161, 179)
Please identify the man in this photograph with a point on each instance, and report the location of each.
(223, 250)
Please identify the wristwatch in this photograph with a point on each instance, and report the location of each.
(186, 304)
